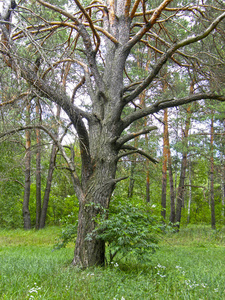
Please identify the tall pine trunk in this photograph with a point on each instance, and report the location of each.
(27, 173)
(190, 190)
(212, 201)
(172, 193)
(223, 171)
(181, 187)
(38, 168)
(164, 167)
(51, 169)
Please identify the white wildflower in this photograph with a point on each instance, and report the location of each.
(178, 267)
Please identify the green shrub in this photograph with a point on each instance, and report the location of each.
(128, 229)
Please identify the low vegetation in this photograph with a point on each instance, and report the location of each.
(187, 265)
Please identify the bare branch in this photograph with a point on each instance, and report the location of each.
(116, 180)
(90, 23)
(126, 154)
(201, 36)
(12, 179)
(127, 8)
(79, 85)
(126, 138)
(164, 58)
(86, 39)
(143, 153)
(60, 11)
(159, 105)
(156, 14)
(134, 9)
(14, 99)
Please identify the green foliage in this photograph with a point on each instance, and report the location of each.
(69, 231)
(67, 235)
(61, 207)
(10, 186)
(128, 229)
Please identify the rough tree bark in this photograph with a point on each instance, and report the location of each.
(102, 142)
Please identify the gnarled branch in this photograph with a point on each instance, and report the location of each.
(169, 103)
(136, 150)
(126, 138)
(164, 58)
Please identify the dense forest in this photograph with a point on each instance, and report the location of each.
(112, 110)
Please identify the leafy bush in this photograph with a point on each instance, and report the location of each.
(68, 232)
(128, 229)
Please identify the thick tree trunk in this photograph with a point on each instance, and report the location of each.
(90, 251)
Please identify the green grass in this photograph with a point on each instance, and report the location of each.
(188, 265)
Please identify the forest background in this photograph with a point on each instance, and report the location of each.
(188, 145)
(173, 163)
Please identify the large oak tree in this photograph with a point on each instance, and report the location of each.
(96, 41)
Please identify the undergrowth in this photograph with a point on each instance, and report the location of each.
(188, 265)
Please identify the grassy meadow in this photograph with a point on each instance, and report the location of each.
(188, 265)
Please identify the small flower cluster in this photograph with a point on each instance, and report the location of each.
(160, 269)
(188, 282)
(180, 269)
(115, 264)
(90, 274)
(117, 298)
(34, 290)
